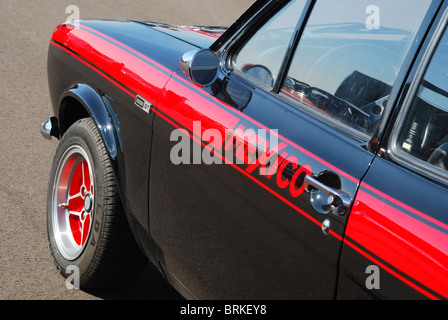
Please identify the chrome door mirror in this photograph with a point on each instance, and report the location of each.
(200, 66)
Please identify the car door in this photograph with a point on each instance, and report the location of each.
(252, 179)
(396, 244)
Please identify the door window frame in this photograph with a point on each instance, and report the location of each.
(419, 166)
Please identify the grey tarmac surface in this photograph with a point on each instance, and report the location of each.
(27, 271)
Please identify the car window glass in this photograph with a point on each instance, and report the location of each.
(424, 134)
(348, 59)
(262, 56)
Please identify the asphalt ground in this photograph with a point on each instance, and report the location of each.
(27, 271)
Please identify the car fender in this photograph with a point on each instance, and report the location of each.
(99, 109)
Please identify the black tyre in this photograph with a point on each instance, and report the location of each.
(87, 227)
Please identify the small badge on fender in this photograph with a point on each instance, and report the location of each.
(143, 104)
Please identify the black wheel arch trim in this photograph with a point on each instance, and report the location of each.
(99, 109)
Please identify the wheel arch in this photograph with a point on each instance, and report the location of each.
(83, 101)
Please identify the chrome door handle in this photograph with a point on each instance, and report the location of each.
(338, 201)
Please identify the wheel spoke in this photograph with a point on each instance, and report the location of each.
(76, 227)
(76, 203)
(76, 180)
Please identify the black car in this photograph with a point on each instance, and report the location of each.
(299, 154)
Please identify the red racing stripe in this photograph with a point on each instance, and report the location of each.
(124, 67)
(122, 45)
(197, 108)
(406, 207)
(409, 245)
(94, 68)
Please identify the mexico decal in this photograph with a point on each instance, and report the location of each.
(260, 152)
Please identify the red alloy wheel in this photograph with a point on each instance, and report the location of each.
(73, 202)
